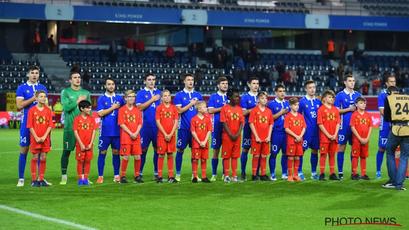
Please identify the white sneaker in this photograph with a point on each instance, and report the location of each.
(177, 178)
(117, 179)
(227, 179)
(20, 182)
(214, 178)
(235, 179)
(48, 183)
(284, 177)
(63, 180)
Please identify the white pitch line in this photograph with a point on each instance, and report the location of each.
(41, 217)
(17, 151)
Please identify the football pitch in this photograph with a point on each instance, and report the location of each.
(249, 205)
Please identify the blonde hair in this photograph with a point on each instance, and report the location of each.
(128, 92)
(199, 103)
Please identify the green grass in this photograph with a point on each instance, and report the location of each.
(249, 205)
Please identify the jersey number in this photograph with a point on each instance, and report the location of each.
(400, 110)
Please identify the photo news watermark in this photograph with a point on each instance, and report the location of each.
(350, 221)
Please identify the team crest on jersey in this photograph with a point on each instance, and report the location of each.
(84, 126)
(224, 153)
(106, 103)
(254, 149)
(363, 121)
(331, 117)
(234, 116)
(131, 118)
(124, 150)
(263, 119)
(167, 114)
(28, 91)
(202, 126)
(297, 123)
(146, 96)
(40, 120)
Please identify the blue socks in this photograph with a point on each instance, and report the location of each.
(272, 163)
(284, 164)
(116, 161)
(101, 163)
(215, 162)
(243, 160)
(143, 160)
(314, 162)
(155, 163)
(178, 159)
(21, 165)
(340, 161)
(379, 160)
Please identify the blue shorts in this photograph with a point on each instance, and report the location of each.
(311, 140)
(345, 135)
(24, 136)
(217, 137)
(278, 142)
(246, 137)
(383, 138)
(148, 135)
(105, 142)
(184, 138)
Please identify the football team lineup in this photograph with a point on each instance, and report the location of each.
(232, 124)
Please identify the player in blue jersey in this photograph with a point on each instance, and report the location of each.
(345, 102)
(384, 126)
(185, 102)
(247, 102)
(279, 107)
(147, 100)
(107, 108)
(215, 104)
(309, 105)
(25, 99)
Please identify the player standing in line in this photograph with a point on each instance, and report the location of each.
(201, 127)
(70, 97)
(328, 120)
(185, 101)
(261, 125)
(40, 123)
(384, 126)
(309, 106)
(25, 99)
(294, 125)
(248, 102)
(345, 102)
(216, 102)
(361, 127)
(232, 119)
(130, 121)
(147, 100)
(84, 127)
(167, 118)
(107, 107)
(279, 107)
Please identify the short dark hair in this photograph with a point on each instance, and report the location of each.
(149, 74)
(253, 78)
(165, 91)
(389, 75)
(392, 89)
(277, 87)
(232, 91)
(109, 79)
(184, 76)
(293, 100)
(309, 82)
(83, 104)
(358, 99)
(33, 67)
(221, 79)
(328, 92)
(349, 75)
